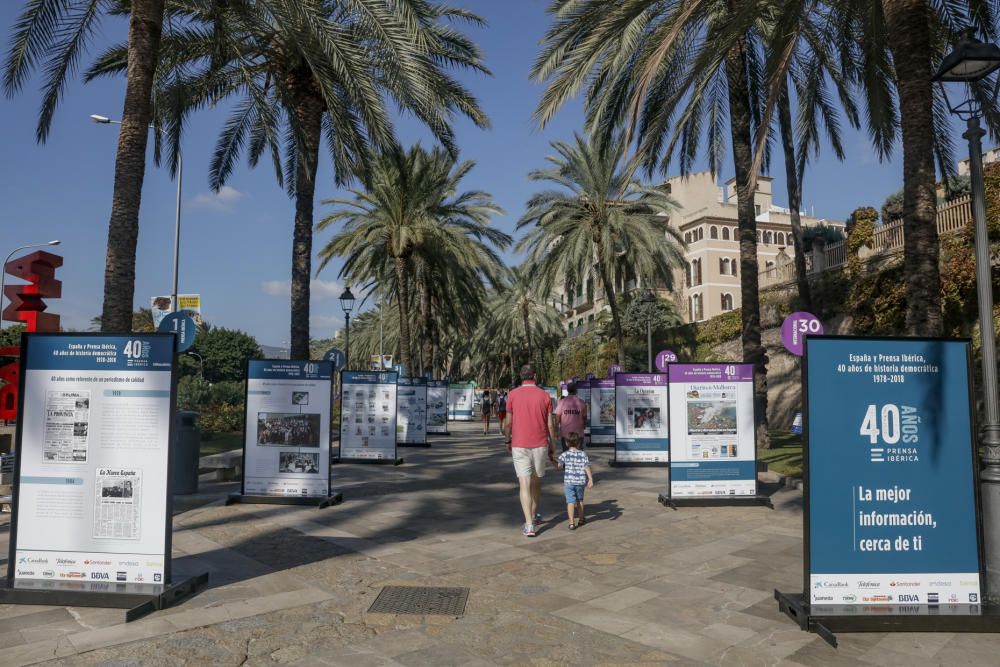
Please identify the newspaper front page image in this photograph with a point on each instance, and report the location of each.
(117, 503)
(67, 426)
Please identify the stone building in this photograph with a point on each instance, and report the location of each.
(709, 284)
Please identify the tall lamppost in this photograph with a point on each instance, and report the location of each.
(597, 355)
(104, 120)
(648, 299)
(347, 304)
(971, 62)
(3, 272)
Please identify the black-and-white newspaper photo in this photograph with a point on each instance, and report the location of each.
(67, 422)
(117, 502)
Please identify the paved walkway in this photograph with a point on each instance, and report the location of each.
(639, 585)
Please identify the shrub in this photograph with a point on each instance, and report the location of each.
(228, 392)
(193, 392)
(220, 417)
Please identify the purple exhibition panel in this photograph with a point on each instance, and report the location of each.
(602, 412)
(642, 430)
(712, 442)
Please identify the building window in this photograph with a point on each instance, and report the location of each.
(687, 275)
(732, 265)
(760, 237)
(687, 237)
(727, 302)
(691, 308)
(701, 233)
(768, 238)
(570, 330)
(769, 265)
(725, 233)
(713, 232)
(696, 272)
(697, 308)
(756, 209)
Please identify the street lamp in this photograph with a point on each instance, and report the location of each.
(3, 268)
(648, 299)
(104, 120)
(597, 355)
(347, 304)
(971, 62)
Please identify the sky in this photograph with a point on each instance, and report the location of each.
(236, 244)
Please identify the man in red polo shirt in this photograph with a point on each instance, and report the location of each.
(529, 409)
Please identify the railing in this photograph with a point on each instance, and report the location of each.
(952, 217)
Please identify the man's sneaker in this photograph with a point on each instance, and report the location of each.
(528, 530)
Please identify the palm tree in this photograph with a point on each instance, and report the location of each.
(51, 35)
(412, 208)
(896, 44)
(308, 71)
(600, 220)
(521, 310)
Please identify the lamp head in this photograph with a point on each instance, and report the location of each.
(104, 120)
(347, 300)
(54, 242)
(970, 60)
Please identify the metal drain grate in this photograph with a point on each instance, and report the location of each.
(421, 600)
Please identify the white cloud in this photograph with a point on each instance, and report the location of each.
(319, 290)
(223, 200)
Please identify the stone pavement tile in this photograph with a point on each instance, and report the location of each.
(626, 597)
(676, 640)
(850, 650)
(599, 619)
(146, 628)
(584, 590)
(394, 643)
(58, 615)
(728, 633)
(778, 642)
(440, 655)
(29, 654)
(922, 644)
(10, 639)
(547, 602)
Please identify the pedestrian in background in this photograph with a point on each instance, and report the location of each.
(487, 409)
(570, 415)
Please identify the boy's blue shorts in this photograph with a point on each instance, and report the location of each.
(574, 494)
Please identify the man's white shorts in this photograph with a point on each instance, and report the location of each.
(530, 460)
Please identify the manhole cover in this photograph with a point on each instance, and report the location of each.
(421, 600)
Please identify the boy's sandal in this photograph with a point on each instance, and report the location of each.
(572, 526)
(581, 521)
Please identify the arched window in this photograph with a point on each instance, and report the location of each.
(727, 302)
(769, 265)
(768, 238)
(760, 237)
(696, 272)
(570, 330)
(691, 308)
(687, 275)
(724, 266)
(732, 265)
(713, 232)
(687, 237)
(701, 233)
(725, 233)
(699, 311)
(579, 323)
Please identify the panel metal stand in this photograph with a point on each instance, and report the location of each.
(385, 462)
(321, 502)
(614, 463)
(715, 501)
(138, 599)
(413, 444)
(827, 620)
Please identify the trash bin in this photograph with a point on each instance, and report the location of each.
(187, 449)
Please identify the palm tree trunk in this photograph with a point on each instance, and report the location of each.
(310, 113)
(145, 25)
(909, 24)
(616, 323)
(739, 124)
(794, 198)
(403, 292)
(527, 336)
(427, 350)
